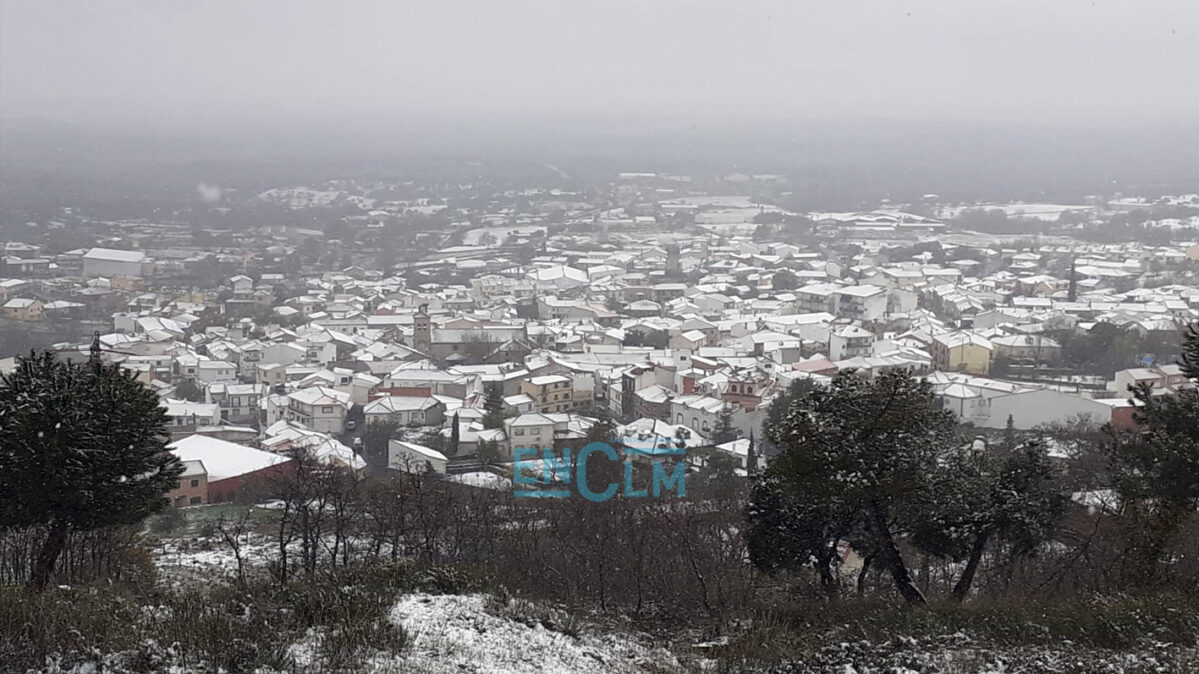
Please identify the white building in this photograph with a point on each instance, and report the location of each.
(406, 410)
(213, 371)
(184, 417)
(864, 302)
(111, 263)
(409, 457)
(319, 408)
(850, 341)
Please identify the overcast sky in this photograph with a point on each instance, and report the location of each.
(1041, 61)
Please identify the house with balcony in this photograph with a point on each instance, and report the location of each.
(862, 303)
(550, 393)
(239, 403)
(319, 408)
(850, 341)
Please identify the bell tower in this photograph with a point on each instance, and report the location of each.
(422, 333)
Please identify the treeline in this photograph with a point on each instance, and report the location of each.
(878, 490)
(643, 557)
(875, 496)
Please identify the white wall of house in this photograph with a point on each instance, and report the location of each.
(323, 418)
(282, 353)
(1031, 409)
(216, 371)
(405, 457)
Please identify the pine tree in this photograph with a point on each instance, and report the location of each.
(1190, 352)
(494, 402)
(865, 447)
(789, 530)
(751, 457)
(1014, 494)
(781, 404)
(1072, 290)
(82, 447)
(455, 434)
(494, 405)
(724, 431)
(1154, 466)
(376, 441)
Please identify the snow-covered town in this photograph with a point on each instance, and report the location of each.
(678, 315)
(527, 337)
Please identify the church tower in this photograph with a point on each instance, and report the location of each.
(674, 266)
(422, 333)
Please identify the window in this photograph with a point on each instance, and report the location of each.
(518, 431)
(196, 500)
(195, 483)
(326, 410)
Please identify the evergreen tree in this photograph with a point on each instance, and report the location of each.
(82, 447)
(981, 496)
(494, 404)
(1072, 290)
(780, 406)
(1154, 466)
(1190, 352)
(789, 530)
(724, 431)
(751, 457)
(488, 452)
(375, 444)
(455, 434)
(188, 390)
(784, 279)
(868, 445)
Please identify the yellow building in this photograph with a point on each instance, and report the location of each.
(24, 309)
(962, 352)
(550, 393)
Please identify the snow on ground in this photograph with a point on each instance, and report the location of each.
(501, 234)
(207, 558)
(454, 633)
(482, 479)
(1046, 212)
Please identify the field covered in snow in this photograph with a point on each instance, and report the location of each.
(458, 634)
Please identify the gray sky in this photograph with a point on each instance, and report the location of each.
(182, 61)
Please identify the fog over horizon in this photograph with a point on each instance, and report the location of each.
(175, 65)
(1011, 95)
